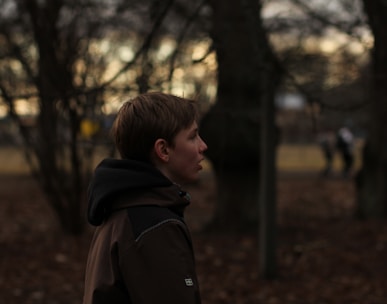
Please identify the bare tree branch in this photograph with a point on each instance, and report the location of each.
(181, 37)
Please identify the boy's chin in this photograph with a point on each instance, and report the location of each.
(189, 180)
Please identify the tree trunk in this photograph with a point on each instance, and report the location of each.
(59, 166)
(372, 181)
(232, 127)
(267, 185)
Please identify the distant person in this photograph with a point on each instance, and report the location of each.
(327, 143)
(141, 251)
(345, 146)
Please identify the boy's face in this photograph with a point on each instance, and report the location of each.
(185, 156)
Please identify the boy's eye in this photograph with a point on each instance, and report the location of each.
(194, 135)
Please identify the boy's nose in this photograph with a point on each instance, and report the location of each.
(203, 145)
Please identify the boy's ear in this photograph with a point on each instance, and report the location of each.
(161, 149)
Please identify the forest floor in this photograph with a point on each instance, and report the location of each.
(324, 254)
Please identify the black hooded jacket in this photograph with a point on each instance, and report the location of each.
(141, 251)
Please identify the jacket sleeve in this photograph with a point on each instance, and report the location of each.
(159, 266)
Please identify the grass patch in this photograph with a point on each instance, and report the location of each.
(290, 157)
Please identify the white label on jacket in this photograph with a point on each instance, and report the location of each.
(188, 282)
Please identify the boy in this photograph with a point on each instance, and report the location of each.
(142, 251)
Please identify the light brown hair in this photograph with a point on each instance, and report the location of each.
(148, 117)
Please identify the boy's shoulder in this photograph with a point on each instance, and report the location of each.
(145, 218)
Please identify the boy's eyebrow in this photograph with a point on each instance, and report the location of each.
(193, 132)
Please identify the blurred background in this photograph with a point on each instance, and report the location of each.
(291, 204)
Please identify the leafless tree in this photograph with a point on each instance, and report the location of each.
(372, 194)
(52, 57)
(247, 74)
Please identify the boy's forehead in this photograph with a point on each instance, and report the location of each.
(191, 128)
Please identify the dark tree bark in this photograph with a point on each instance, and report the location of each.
(372, 181)
(63, 185)
(247, 75)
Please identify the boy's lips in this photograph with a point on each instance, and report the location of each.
(199, 164)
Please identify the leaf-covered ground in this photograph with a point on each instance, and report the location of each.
(324, 254)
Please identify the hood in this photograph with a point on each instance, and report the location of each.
(115, 179)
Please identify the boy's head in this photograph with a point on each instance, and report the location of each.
(148, 117)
